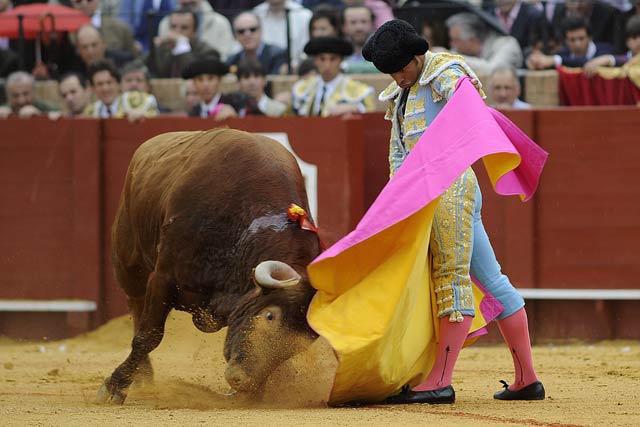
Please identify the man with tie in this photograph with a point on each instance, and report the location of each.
(523, 21)
(330, 92)
(111, 103)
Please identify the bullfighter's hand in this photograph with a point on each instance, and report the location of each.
(590, 69)
(28, 111)
(135, 116)
(4, 112)
(169, 39)
(340, 109)
(226, 112)
(54, 115)
(539, 61)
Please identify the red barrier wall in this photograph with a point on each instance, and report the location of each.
(587, 224)
(49, 219)
(60, 183)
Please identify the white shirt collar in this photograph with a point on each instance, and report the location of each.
(205, 108)
(591, 50)
(262, 103)
(328, 88)
(113, 108)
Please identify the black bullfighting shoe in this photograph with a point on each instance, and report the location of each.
(534, 391)
(434, 397)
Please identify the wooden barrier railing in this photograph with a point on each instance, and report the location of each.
(60, 182)
(541, 88)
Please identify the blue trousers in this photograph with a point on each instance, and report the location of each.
(485, 267)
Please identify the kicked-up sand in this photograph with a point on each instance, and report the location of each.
(55, 384)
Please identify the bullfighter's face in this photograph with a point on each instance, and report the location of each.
(328, 65)
(207, 86)
(105, 86)
(408, 76)
(258, 342)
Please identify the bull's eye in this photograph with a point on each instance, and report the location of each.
(269, 315)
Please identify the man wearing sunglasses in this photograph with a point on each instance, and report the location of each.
(248, 33)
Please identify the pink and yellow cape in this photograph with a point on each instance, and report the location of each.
(373, 304)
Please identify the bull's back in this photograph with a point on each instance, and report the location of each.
(182, 171)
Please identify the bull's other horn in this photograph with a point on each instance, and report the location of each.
(275, 274)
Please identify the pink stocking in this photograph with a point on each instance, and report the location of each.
(515, 330)
(452, 336)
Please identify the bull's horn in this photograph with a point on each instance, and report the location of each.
(275, 274)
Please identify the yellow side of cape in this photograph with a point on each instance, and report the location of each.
(379, 316)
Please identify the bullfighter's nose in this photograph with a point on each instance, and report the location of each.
(237, 378)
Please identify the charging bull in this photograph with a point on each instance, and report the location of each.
(203, 227)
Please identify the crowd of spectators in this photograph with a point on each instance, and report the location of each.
(104, 68)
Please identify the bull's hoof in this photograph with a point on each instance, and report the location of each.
(108, 395)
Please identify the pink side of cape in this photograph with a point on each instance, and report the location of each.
(463, 132)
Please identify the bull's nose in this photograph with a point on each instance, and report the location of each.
(237, 378)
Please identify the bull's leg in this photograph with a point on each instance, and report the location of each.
(147, 337)
(144, 372)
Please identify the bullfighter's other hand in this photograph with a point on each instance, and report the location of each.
(135, 116)
(225, 112)
(28, 111)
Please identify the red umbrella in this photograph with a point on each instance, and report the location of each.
(40, 17)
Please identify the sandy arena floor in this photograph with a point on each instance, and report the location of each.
(54, 384)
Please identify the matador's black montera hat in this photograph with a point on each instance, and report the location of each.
(207, 65)
(393, 46)
(328, 44)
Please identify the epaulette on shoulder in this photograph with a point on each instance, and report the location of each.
(302, 87)
(436, 63)
(355, 91)
(389, 92)
(136, 99)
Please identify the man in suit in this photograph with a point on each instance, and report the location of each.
(579, 47)
(207, 75)
(91, 47)
(248, 32)
(213, 28)
(482, 49)
(178, 47)
(606, 26)
(21, 99)
(522, 21)
(111, 103)
(117, 34)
